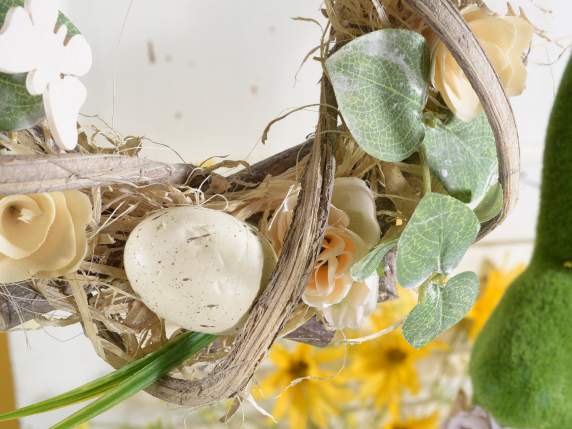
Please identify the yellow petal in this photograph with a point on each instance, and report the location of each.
(24, 223)
(281, 406)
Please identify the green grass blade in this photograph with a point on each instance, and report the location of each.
(93, 388)
(142, 379)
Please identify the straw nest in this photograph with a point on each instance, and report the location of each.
(125, 189)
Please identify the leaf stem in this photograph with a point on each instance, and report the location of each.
(144, 378)
(93, 388)
(426, 173)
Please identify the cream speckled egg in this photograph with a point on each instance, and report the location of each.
(195, 267)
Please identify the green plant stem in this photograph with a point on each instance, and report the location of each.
(426, 172)
(94, 388)
(142, 379)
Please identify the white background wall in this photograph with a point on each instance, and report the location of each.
(222, 70)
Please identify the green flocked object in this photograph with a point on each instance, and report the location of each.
(521, 365)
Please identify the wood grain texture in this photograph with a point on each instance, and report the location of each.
(23, 174)
(446, 21)
(284, 291)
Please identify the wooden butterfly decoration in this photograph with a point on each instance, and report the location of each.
(32, 42)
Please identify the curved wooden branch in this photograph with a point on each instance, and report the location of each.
(233, 374)
(28, 174)
(446, 21)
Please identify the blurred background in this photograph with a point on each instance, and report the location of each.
(205, 77)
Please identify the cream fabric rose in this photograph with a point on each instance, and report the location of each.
(42, 234)
(505, 39)
(352, 230)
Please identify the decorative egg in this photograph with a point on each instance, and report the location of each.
(198, 268)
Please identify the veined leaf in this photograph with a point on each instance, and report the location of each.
(380, 80)
(369, 264)
(435, 239)
(491, 205)
(440, 308)
(19, 109)
(144, 378)
(463, 157)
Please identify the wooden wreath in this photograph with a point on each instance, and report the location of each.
(232, 374)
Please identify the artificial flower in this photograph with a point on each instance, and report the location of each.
(386, 366)
(477, 418)
(42, 234)
(32, 42)
(505, 40)
(429, 422)
(493, 289)
(352, 230)
(307, 392)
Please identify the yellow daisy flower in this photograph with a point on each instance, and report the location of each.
(429, 422)
(307, 392)
(493, 289)
(386, 367)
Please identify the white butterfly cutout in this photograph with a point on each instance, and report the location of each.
(537, 11)
(30, 43)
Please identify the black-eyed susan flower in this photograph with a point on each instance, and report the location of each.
(307, 393)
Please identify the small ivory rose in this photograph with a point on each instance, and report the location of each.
(505, 40)
(352, 230)
(42, 234)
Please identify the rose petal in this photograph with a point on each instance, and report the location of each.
(461, 98)
(81, 213)
(59, 248)
(516, 82)
(355, 198)
(473, 12)
(24, 223)
(339, 290)
(358, 305)
(504, 39)
(499, 31)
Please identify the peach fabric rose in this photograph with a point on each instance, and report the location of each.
(505, 40)
(352, 230)
(42, 234)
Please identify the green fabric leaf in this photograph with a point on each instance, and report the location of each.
(369, 264)
(463, 156)
(440, 308)
(435, 239)
(380, 80)
(94, 388)
(18, 109)
(139, 381)
(491, 205)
